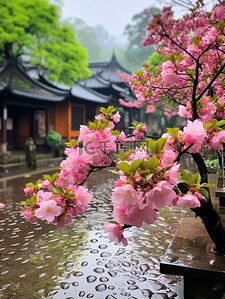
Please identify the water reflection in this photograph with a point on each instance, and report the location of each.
(40, 261)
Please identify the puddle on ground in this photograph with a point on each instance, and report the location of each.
(41, 261)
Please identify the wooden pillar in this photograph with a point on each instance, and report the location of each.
(47, 120)
(3, 135)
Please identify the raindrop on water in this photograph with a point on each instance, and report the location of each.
(52, 293)
(82, 294)
(78, 273)
(94, 251)
(99, 270)
(147, 293)
(126, 264)
(104, 279)
(65, 285)
(144, 267)
(112, 273)
(91, 278)
(120, 251)
(101, 287)
(102, 246)
(133, 287)
(84, 264)
(125, 294)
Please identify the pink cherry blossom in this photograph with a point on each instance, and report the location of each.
(45, 184)
(184, 112)
(29, 190)
(27, 213)
(2, 205)
(194, 133)
(48, 210)
(116, 117)
(216, 142)
(115, 233)
(173, 175)
(82, 198)
(136, 216)
(125, 195)
(43, 196)
(162, 194)
(188, 200)
(168, 157)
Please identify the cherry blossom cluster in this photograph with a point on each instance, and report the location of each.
(194, 47)
(149, 179)
(150, 176)
(59, 198)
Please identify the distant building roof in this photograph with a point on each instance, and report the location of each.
(105, 78)
(14, 79)
(87, 94)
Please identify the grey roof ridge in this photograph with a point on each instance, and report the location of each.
(95, 92)
(115, 62)
(40, 84)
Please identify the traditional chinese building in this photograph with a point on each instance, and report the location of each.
(31, 107)
(105, 80)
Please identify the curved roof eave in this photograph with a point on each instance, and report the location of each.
(39, 96)
(84, 93)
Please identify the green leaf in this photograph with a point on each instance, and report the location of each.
(160, 144)
(128, 153)
(148, 177)
(103, 110)
(173, 131)
(158, 15)
(31, 185)
(72, 196)
(196, 179)
(208, 125)
(205, 185)
(62, 217)
(152, 163)
(115, 132)
(135, 165)
(110, 110)
(151, 145)
(203, 192)
(196, 40)
(125, 167)
(143, 172)
(71, 143)
(186, 175)
(220, 123)
(55, 176)
(47, 177)
(59, 190)
(30, 201)
(114, 171)
(121, 155)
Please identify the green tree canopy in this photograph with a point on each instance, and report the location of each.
(30, 30)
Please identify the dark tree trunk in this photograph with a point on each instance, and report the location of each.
(207, 213)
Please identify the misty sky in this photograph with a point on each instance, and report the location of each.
(114, 15)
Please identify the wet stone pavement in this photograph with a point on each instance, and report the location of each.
(41, 261)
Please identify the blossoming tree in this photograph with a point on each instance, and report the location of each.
(150, 177)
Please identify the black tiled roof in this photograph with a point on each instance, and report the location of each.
(13, 78)
(87, 94)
